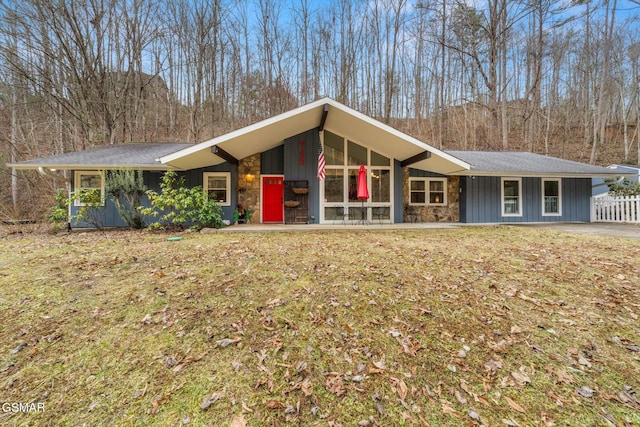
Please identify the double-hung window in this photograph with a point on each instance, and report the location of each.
(88, 188)
(551, 197)
(428, 191)
(217, 186)
(511, 197)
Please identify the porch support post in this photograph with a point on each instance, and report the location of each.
(224, 155)
(415, 159)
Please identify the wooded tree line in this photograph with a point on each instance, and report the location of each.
(561, 78)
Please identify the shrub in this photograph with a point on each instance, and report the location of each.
(58, 216)
(178, 206)
(126, 187)
(91, 207)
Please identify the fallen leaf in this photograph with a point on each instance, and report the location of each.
(583, 361)
(210, 400)
(400, 388)
(225, 342)
(185, 361)
(379, 404)
(245, 408)
(514, 405)
(445, 406)
(274, 404)
(140, 392)
(18, 348)
(564, 376)
(493, 365)
(521, 377)
(155, 404)
(460, 398)
(307, 387)
(585, 391)
(238, 421)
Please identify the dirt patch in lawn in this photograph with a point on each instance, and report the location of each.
(494, 326)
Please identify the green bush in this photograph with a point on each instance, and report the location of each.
(59, 214)
(126, 187)
(177, 206)
(91, 208)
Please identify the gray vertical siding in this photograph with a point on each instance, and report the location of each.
(272, 161)
(152, 179)
(480, 200)
(301, 164)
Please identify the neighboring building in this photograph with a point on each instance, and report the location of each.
(632, 174)
(271, 168)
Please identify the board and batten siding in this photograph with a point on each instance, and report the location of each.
(272, 161)
(301, 164)
(152, 179)
(480, 201)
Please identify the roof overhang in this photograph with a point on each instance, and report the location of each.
(138, 156)
(87, 167)
(525, 174)
(323, 113)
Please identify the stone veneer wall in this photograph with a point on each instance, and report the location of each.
(249, 193)
(449, 213)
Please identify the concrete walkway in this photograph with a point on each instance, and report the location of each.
(630, 231)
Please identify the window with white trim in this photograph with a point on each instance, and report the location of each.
(551, 197)
(428, 191)
(511, 196)
(339, 190)
(217, 186)
(88, 188)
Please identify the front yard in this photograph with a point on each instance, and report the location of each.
(495, 326)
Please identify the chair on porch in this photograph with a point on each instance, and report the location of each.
(413, 214)
(380, 213)
(341, 213)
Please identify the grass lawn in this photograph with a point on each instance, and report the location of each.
(473, 326)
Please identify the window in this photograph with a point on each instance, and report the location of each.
(428, 191)
(339, 189)
(89, 188)
(217, 186)
(511, 197)
(551, 197)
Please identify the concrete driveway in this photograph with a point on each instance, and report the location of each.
(629, 231)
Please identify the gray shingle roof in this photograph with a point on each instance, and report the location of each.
(135, 156)
(520, 163)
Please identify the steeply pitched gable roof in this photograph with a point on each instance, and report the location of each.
(340, 119)
(135, 156)
(520, 163)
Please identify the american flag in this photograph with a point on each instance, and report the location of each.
(321, 174)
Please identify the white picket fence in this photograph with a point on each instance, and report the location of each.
(615, 209)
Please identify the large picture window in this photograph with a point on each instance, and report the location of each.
(343, 158)
(428, 191)
(88, 188)
(511, 197)
(551, 197)
(217, 186)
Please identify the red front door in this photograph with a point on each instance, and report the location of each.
(272, 199)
